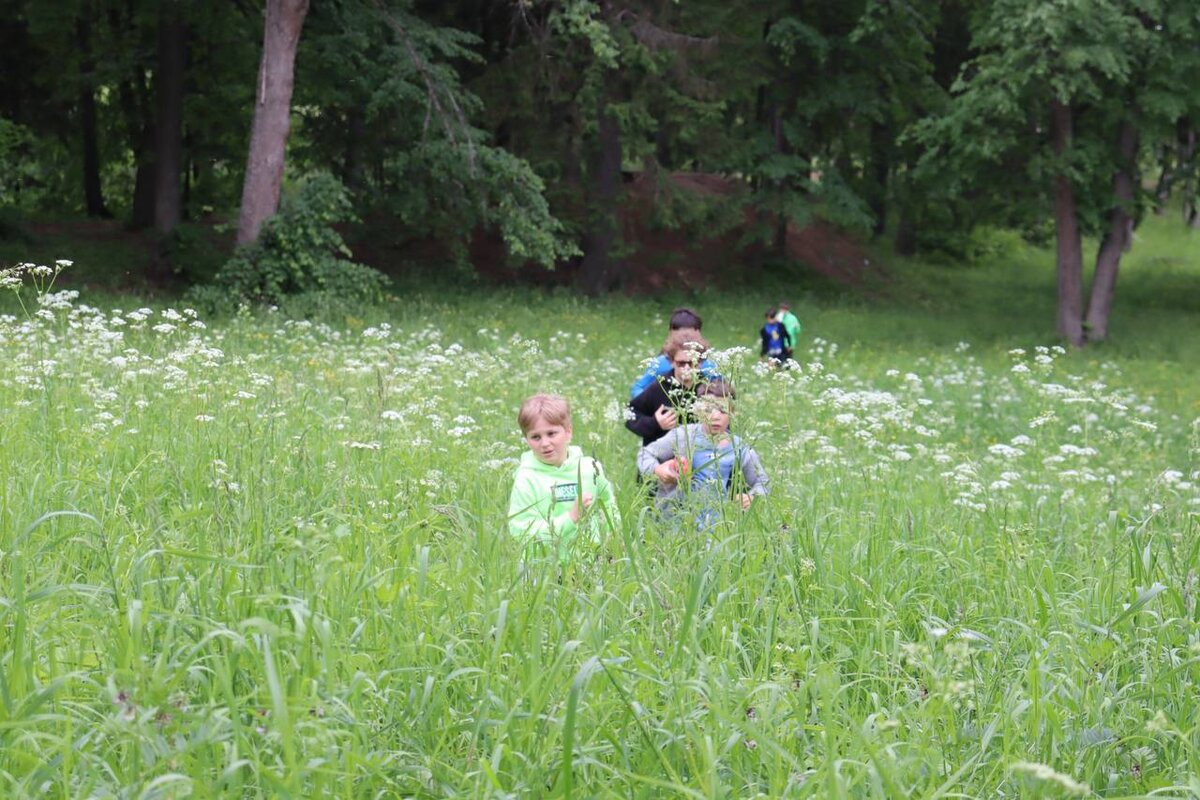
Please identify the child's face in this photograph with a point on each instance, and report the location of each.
(714, 413)
(548, 441)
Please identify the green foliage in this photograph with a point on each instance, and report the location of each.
(196, 252)
(975, 245)
(1106, 60)
(582, 20)
(298, 253)
(707, 216)
(21, 178)
(15, 174)
(450, 188)
(392, 77)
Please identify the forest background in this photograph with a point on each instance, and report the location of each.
(630, 146)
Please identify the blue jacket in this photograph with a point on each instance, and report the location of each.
(662, 366)
(775, 340)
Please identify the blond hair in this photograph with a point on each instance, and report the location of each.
(549, 407)
(685, 339)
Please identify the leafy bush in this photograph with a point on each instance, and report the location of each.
(18, 172)
(297, 253)
(448, 189)
(12, 228)
(196, 252)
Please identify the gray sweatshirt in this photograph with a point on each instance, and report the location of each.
(710, 465)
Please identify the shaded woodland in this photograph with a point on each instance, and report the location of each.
(534, 131)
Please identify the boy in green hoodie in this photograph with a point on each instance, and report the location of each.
(558, 493)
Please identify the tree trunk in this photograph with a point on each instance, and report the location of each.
(141, 133)
(779, 137)
(142, 215)
(168, 138)
(1119, 236)
(906, 233)
(269, 131)
(1177, 161)
(353, 174)
(663, 137)
(191, 175)
(569, 127)
(1187, 155)
(597, 271)
(1066, 228)
(132, 95)
(92, 190)
(1162, 189)
(881, 141)
(168, 128)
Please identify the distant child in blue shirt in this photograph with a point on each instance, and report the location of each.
(776, 343)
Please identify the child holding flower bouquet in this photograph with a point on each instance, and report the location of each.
(702, 464)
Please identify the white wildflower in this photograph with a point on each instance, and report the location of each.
(1044, 772)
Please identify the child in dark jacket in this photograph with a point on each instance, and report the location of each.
(667, 402)
(776, 343)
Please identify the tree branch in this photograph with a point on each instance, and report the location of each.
(434, 103)
(656, 38)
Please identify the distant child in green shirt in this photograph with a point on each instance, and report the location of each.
(791, 324)
(559, 495)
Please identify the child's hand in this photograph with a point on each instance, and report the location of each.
(665, 417)
(577, 509)
(745, 500)
(668, 472)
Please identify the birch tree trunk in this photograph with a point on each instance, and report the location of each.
(272, 108)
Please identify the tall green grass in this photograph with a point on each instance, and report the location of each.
(268, 558)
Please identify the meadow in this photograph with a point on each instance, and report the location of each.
(266, 557)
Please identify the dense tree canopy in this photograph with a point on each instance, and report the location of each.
(527, 120)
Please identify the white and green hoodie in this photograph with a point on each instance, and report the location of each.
(539, 508)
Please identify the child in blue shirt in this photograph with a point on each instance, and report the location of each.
(776, 343)
(702, 464)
